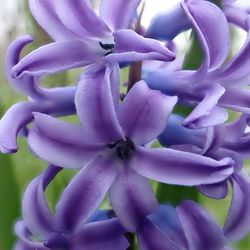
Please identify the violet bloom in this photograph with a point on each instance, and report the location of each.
(115, 136)
(85, 38)
(213, 143)
(56, 101)
(71, 227)
(213, 87)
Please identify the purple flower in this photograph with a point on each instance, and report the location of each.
(82, 38)
(115, 136)
(212, 143)
(56, 101)
(71, 227)
(213, 87)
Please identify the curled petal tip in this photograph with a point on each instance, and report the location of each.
(6, 150)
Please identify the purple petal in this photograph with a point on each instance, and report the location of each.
(176, 134)
(62, 143)
(174, 19)
(180, 168)
(224, 153)
(36, 213)
(46, 16)
(49, 59)
(200, 229)
(237, 224)
(23, 246)
(79, 17)
(140, 49)
(166, 220)
(236, 99)
(85, 193)
(25, 242)
(132, 198)
(235, 129)
(215, 191)
(151, 237)
(20, 114)
(110, 12)
(26, 85)
(236, 16)
(95, 103)
(217, 115)
(237, 68)
(103, 235)
(212, 29)
(144, 112)
(206, 113)
(214, 139)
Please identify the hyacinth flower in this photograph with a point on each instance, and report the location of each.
(75, 224)
(212, 142)
(115, 135)
(216, 87)
(54, 101)
(86, 38)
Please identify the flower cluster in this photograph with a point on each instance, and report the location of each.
(113, 144)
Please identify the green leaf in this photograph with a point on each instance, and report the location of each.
(9, 206)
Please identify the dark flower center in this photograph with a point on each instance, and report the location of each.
(107, 46)
(123, 148)
(57, 241)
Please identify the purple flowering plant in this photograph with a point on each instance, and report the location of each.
(143, 150)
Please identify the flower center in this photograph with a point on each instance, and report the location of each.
(123, 148)
(57, 241)
(107, 46)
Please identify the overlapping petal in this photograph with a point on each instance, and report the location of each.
(150, 237)
(200, 229)
(112, 16)
(79, 17)
(46, 16)
(214, 36)
(84, 193)
(180, 168)
(148, 111)
(166, 220)
(21, 114)
(140, 49)
(167, 25)
(132, 198)
(56, 57)
(237, 224)
(103, 235)
(36, 213)
(95, 98)
(236, 15)
(215, 191)
(62, 143)
(206, 113)
(27, 85)
(25, 243)
(176, 134)
(238, 67)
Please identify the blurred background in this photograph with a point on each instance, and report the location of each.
(18, 169)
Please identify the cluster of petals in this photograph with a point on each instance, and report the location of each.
(111, 145)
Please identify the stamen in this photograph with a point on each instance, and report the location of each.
(123, 148)
(106, 46)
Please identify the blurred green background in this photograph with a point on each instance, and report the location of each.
(17, 170)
